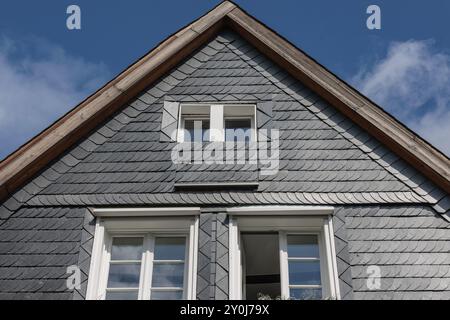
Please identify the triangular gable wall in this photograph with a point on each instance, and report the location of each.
(325, 158)
(19, 167)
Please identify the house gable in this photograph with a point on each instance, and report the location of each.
(324, 157)
(386, 212)
(20, 166)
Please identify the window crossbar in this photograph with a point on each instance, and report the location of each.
(125, 261)
(303, 259)
(122, 289)
(310, 286)
(167, 289)
(168, 261)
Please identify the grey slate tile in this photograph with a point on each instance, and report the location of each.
(325, 159)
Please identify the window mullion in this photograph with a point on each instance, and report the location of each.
(217, 123)
(145, 286)
(180, 126)
(253, 122)
(236, 281)
(331, 286)
(191, 258)
(198, 131)
(284, 267)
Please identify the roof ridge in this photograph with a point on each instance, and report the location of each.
(20, 167)
(22, 164)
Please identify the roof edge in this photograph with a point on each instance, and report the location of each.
(29, 159)
(392, 133)
(26, 161)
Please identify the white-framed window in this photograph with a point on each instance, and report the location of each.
(302, 263)
(144, 257)
(284, 252)
(217, 123)
(194, 123)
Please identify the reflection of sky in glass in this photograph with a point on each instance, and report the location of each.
(126, 248)
(305, 246)
(124, 275)
(168, 275)
(304, 272)
(122, 295)
(170, 248)
(167, 295)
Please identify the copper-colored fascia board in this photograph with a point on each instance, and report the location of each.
(409, 146)
(33, 156)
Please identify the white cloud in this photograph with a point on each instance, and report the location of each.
(413, 83)
(39, 82)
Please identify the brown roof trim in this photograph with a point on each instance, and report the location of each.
(21, 165)
(405, 143)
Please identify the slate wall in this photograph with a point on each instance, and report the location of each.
(410, 245)
(389, 214)
(212, 274)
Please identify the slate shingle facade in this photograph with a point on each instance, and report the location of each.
(386, 212)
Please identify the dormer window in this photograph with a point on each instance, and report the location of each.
(217, 123)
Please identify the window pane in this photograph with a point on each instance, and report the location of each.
(304, 272)
(124, 275)
(125, 295)
(305, 294)
(190, 135)
(126, 248)
(303, 246)
(168, 275)
(170, 248)
(238, 130)
(167, 295)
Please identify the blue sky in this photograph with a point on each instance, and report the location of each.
(46, 69)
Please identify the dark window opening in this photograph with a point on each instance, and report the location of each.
(196, 130)
(238, 130)
(261, 265)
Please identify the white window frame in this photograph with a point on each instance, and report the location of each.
(199, 118)
(148, 223)
(285, 220)
(284, 263)
(217, 115)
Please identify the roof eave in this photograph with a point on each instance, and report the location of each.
(24, 163)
